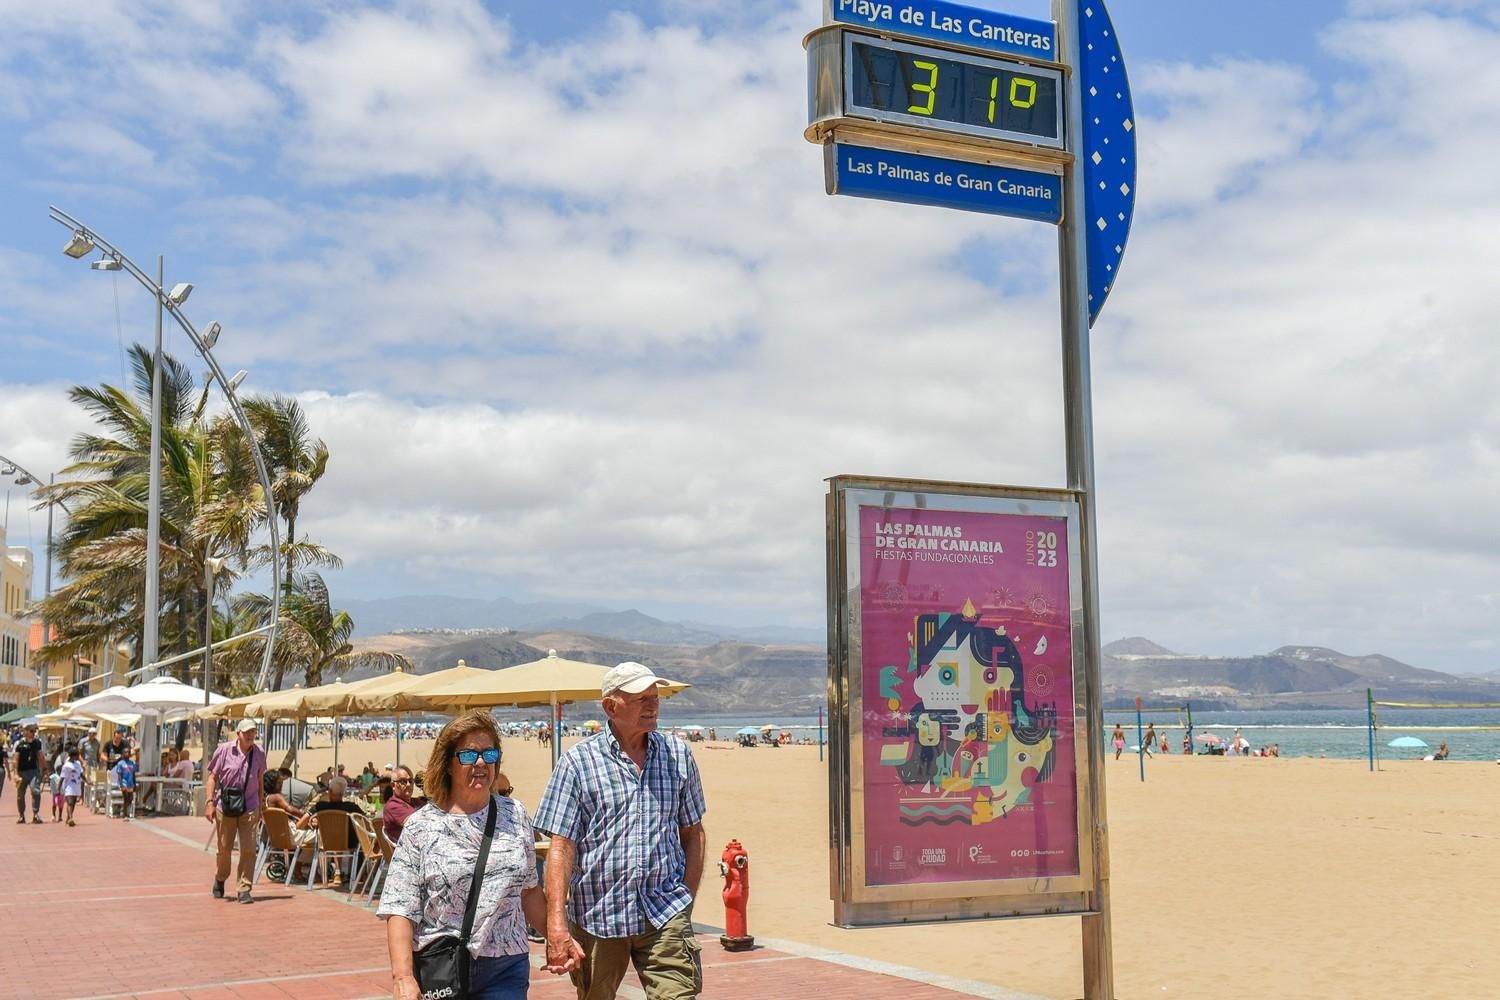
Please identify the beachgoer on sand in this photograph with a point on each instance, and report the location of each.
(625, 810)
(1118, 739)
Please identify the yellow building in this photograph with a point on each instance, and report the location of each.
(18, 680)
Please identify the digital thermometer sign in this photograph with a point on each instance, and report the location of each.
(889, 81)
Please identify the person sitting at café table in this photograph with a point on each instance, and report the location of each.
(335, 803)
(403, 802)
(273, 798)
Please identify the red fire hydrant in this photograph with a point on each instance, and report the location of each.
(734, 865)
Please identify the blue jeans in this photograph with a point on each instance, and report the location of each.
(505, 978)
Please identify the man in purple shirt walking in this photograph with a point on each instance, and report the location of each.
(232, 785)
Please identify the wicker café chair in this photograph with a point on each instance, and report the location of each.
(277, 841)
(372, 858)
(332, 845)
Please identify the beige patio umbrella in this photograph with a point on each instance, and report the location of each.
(234, 708)
(550, 681)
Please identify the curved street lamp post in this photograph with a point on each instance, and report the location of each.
(82, 242)
(10, 467)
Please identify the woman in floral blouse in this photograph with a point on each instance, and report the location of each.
(427, 887)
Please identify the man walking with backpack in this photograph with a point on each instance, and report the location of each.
(232, 791)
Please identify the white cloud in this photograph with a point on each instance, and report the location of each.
(569, 333)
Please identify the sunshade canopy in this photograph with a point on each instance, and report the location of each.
(160, 695)
(358, 697)
(1407, 743)
(17, 714)
(534, 683)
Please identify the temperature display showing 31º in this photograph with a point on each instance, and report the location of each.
(951, 91)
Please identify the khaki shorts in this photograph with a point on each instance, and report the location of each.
(667, 960)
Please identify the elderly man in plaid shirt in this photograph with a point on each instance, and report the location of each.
(625, 811)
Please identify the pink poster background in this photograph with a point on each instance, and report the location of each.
(970, 771)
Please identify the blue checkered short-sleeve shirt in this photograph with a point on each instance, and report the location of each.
(626, 823)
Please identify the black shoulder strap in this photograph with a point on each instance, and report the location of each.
(478, 880)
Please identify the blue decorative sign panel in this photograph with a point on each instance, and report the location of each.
(930, 180)
(953, 23)
(1107, 151)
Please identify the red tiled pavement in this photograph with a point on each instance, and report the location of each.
(114, 909)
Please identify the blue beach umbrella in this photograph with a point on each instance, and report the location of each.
(1407, 743)
(748, 731)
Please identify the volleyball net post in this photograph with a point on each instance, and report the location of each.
(1370, 722)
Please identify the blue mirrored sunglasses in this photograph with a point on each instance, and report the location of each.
(471, 757)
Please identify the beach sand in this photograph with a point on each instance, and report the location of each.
(1237, 878)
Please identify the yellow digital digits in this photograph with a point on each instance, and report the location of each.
(1017, 85)
(929, 88)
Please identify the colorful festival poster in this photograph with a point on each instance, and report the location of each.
(970, 766)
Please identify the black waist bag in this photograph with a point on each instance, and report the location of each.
(232, 800)
(442, 968)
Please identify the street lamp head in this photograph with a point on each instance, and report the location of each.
(180, 292)
(79, 245)
(7, 470)
(210, 336)
(24, 480)
(239, 376)
(215, 565)
(105, 264)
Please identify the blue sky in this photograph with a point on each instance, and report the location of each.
(559, 285)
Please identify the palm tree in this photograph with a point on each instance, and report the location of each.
(295, 463)
(312, 638)
(210, 505)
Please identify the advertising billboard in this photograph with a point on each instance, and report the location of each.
(961, 734)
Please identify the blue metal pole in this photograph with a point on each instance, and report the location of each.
(1370, 723)
(1140, 740)
(820, 733)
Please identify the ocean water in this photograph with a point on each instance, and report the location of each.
(1334, 733)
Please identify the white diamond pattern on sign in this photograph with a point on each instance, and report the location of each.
(1109, 187)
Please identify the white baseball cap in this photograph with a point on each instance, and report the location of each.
(246, 726)
(631, 678)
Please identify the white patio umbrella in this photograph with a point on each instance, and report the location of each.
(160, 699)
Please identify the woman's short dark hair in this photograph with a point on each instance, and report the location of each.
(437, 784)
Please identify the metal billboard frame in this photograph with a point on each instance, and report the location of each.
(857, 903)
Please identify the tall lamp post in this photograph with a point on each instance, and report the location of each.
(81, 243)
(9, 467)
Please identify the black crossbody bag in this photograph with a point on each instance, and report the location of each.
(232, 800)
(442, 968)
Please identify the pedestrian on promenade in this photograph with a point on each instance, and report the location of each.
(72, 781)
(124, 772)
(91, 747)
(427, 894)
(31, 763)
(232, 782)
(115, 749)
(625, 810)
(54, 782)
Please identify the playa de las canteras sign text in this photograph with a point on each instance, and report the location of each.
(968, 84)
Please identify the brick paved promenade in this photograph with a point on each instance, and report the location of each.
(113, 909)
